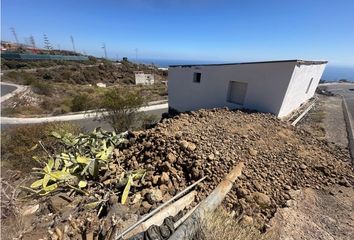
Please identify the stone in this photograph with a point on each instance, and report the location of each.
(287, 187)
(164, 178)
(211, 157)
(247, 220)
(191, 147)
(154, 196)
(155, 179)
(137, 198)
(344, 182)
(252, 152)
(29, 210)
(303, 166)
(171, 158)
(241, 192)
(183, 144)
(146, 205)
(258, 186)
(261, 199)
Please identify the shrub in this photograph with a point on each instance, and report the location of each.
(82, 102)
(122, 108)
(16, 143)
(42, 88)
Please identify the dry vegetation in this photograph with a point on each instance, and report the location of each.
(220, 225)
(73, 88)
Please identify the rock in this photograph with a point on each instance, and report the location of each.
(171, 158)
(344, 182)
(29, 210)
(184, 144)
(258, 186)
(211, 157)
(137, 198)
(247, 220)
(146, 205)
(287, 187)
(241, 192)
(303, 166)
(165, 178)
(252, 152)
(191, 147)
(261, 199)
(155, 179)
(154, 196)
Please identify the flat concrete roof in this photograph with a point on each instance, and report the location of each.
(302, 62)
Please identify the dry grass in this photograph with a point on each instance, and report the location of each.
(222, 226)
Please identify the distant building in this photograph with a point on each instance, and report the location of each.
(277, 87)
(144, 78)
(101, 85)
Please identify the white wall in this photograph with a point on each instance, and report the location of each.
(267, 85)
(144, 78)
(296, 93)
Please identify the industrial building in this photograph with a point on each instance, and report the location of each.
(277, 87)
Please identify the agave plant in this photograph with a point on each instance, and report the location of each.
(82, 158)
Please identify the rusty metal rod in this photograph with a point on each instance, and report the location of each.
(188, 229)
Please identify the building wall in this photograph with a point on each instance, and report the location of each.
(267, 85)
(144, 78)
(296, 93)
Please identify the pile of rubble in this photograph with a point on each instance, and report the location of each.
(179, 151)
(278, 158)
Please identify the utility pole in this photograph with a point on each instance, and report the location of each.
(104, 49)
(46, 42)
(14, 33)
(32, 42)
(73, 43)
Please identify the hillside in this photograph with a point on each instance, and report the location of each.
(54, 85)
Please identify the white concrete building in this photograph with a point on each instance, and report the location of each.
(277, 87)
(144, 78)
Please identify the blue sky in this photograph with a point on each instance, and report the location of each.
(206, 30)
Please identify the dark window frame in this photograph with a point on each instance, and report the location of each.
(197, 77)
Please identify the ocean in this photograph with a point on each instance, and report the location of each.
(331, 73)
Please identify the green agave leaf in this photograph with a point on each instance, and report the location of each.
(50, 163)
(92, 205)
(82, 159)
(65, 156)
(33, 148)
(37, 183)
(93, 168)
(126, 190)
(61, 175)
(56, 135)
(51, 188)
(137, 174)
(82, 184)
(46, 179)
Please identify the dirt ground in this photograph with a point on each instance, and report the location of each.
(326, 120)
(317, 214)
